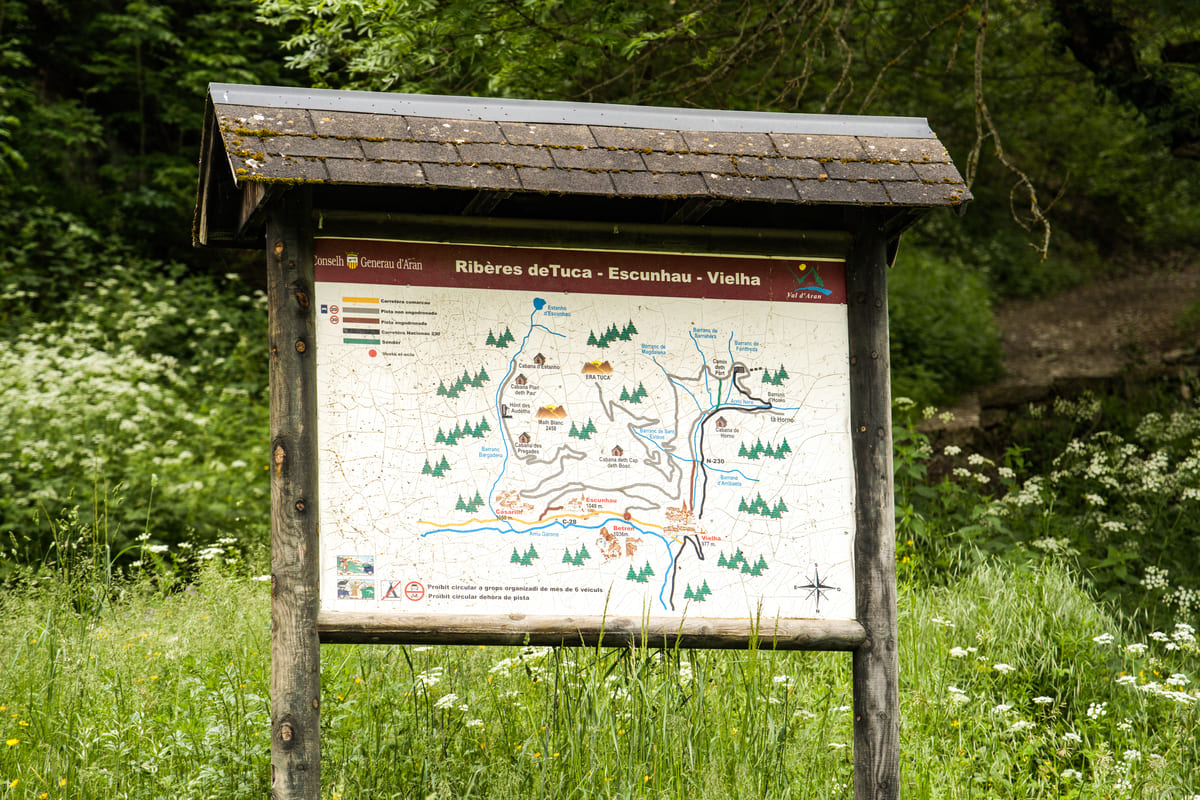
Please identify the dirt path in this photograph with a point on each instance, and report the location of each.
(1099, 330)
(1088, 334)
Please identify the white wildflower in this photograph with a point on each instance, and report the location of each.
(1155, 578)
(1000, 708)
(1004, 669)
(1097, 710)
(952, 450)
(503, 664)
(958, 652)
(1042, 700)
(428, 678)
(1072, 774)
(446, 701)
(1072, 736)
(1132, 755)
(1137, 648)
(1020, 725)
(1178, 679)
(1104, 638)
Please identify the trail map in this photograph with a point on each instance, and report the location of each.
(577, 432)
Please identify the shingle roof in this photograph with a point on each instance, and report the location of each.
(377, 139)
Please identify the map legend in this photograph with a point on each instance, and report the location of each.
(360, 320)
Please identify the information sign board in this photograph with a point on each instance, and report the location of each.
(527, 430)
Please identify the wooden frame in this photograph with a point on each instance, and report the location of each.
(297, 628)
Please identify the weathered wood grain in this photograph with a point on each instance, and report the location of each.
(787, 634)
(876, 662)
(295, 648)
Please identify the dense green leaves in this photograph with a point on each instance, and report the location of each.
(943, 337)
(119, 366)
(102, 103)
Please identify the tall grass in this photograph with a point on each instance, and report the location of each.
(1014, 683)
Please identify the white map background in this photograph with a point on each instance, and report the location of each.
(623, 500)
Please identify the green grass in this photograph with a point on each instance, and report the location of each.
(166, 695)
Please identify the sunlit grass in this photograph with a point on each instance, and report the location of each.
(1014, 684)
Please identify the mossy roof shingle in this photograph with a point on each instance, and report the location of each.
(273, 134)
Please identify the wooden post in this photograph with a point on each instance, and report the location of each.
(876, 661)
(295, 599)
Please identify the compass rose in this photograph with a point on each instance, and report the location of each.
(817, 587)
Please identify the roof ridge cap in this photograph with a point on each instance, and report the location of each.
(558, 112)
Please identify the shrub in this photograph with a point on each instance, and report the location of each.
(1124, 508)
(943, 337)
(149, 380)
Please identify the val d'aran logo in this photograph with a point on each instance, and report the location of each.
(808, 279)
(352, 260)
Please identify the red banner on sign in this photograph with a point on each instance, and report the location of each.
(797, 280)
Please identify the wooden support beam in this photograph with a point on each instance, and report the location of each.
(693, 210)
(256, 202)
(789, 634)
(876, 665)
(295, 597)
(484, 203)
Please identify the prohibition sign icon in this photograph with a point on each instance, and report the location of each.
(414, 590)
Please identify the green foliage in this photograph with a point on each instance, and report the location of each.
(943, 337)
(1036, 692)
(102, 103)
(1188, 323)
(151, 380)
(1123, 508)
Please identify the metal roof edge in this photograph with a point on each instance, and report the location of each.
(560, 112)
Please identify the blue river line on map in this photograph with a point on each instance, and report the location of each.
(505, 526)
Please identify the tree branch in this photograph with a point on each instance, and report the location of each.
(985, 128)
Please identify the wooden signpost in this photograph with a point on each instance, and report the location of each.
(564, 331)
